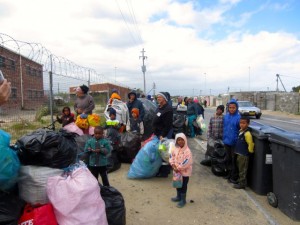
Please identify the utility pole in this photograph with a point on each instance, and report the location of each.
(144, 68)
(278, 78)
(154, 86)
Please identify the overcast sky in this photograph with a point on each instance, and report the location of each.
(192, 47)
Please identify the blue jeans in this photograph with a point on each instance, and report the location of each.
(191, 118)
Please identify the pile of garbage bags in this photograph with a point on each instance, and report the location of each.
(42, 181)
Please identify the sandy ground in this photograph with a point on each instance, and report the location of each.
(211, 200)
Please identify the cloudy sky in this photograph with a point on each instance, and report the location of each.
(192, 47)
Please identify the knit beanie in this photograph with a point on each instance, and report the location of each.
(136, 111)
(163, 94)
(84, 88)
(112, 111)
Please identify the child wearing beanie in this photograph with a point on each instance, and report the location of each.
(135, 124)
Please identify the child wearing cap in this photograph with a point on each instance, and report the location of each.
(112, 121)
(135, 124)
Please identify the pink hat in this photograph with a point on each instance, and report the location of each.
(196, 100)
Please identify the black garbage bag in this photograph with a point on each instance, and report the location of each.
(47, 148)
(11, 208)
(81, 141)
(114, 205)
(219, 170)
(150, 109)
(113, 161)
(113, 135)
(218, 159)
(178, 120)
(130, 146)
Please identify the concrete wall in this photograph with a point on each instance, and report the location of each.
(276, 101)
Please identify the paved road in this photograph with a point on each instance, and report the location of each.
(282, 121)
(285, 122)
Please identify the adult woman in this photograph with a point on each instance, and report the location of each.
(84, 104)
(162, 125)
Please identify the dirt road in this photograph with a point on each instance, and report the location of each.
(211, 200)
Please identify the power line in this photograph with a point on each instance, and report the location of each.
(130, 32)
(131, 11)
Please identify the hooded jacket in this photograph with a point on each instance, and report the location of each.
(135, 104)
(182, 157)
(231, 125)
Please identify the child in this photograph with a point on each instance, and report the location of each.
(231, 126)
(66, 117)
(135, 124)
(215, 130)
(113, 125)
(99, 148)
(181, 161)
(112, 121)
(243, 147)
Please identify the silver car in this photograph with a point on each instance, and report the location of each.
(247, 108)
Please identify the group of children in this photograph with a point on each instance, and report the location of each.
(237, 139)
(100, 147)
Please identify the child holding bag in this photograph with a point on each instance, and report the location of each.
(181, 160)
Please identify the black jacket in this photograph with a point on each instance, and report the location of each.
(162, 122)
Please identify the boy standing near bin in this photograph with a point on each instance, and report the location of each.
(231, 127)
(243, 147)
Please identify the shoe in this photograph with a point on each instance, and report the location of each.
(230, 180)
(177, 198)
(182, 201)
(239, 186)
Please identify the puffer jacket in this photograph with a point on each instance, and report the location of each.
(182, 157)
(231, 125)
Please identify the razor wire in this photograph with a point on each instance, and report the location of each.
(57, 65)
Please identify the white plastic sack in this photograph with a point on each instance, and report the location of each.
(164, 148)
(72, 127)
(32, 183)
(201, 123)
(122, 112)
(76, 199)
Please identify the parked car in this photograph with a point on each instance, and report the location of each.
(247, 108)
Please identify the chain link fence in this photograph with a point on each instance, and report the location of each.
(41, 84)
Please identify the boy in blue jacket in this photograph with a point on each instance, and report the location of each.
(231, 127)
(100, 148)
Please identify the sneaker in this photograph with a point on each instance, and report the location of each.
(239, 186)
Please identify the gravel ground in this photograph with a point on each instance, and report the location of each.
(211, 200)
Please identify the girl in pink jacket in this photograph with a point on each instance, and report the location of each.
(181, 160)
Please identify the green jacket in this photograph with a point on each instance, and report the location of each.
(98, 159)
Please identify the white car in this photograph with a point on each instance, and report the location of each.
(247, 108)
